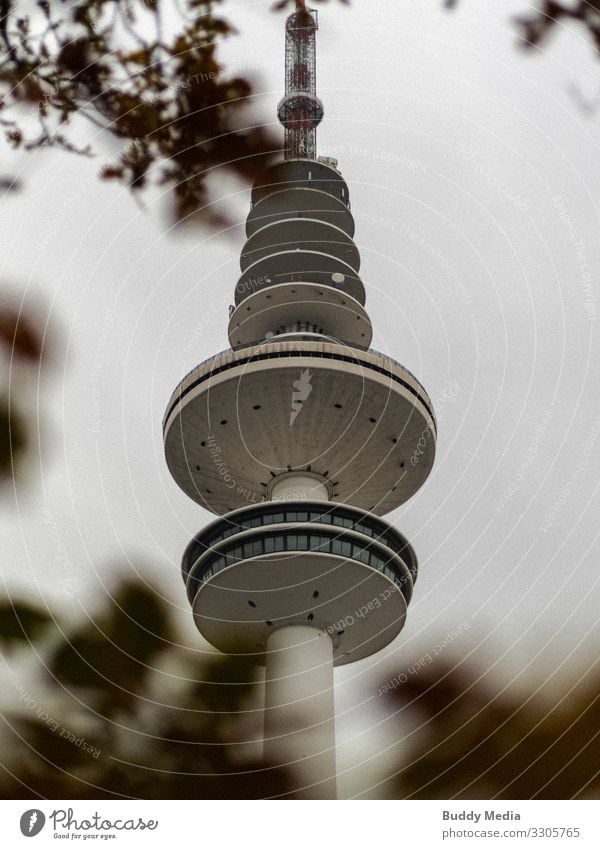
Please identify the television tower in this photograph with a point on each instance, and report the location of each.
(300, 438)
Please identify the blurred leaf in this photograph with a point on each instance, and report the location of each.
(53, 746)
(13, 439)
(21, 622)
(114, 654)
(226, 682)
(19, 335)
(535, 28)
(9, 184)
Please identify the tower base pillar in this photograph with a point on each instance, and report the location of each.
(299, 709)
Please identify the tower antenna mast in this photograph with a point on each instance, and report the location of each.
(300, 110)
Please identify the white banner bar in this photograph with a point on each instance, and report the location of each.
(224, 825)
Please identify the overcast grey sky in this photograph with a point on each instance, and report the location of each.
(475, 185)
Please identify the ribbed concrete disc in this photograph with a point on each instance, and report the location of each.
(303, 201)
(357, 418)
(337, 314)
(300, 234)
(238, 609)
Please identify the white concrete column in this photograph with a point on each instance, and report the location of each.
(299, 710)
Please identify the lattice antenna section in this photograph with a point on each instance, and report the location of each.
(300, 111)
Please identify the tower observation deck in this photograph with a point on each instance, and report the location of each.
(299, 439)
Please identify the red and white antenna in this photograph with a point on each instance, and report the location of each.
(300, 111)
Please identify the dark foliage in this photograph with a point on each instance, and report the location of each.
(536, 27)
(179, 115)
(21, 622)
(478, 744)
(100, 726)
(23, 343)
